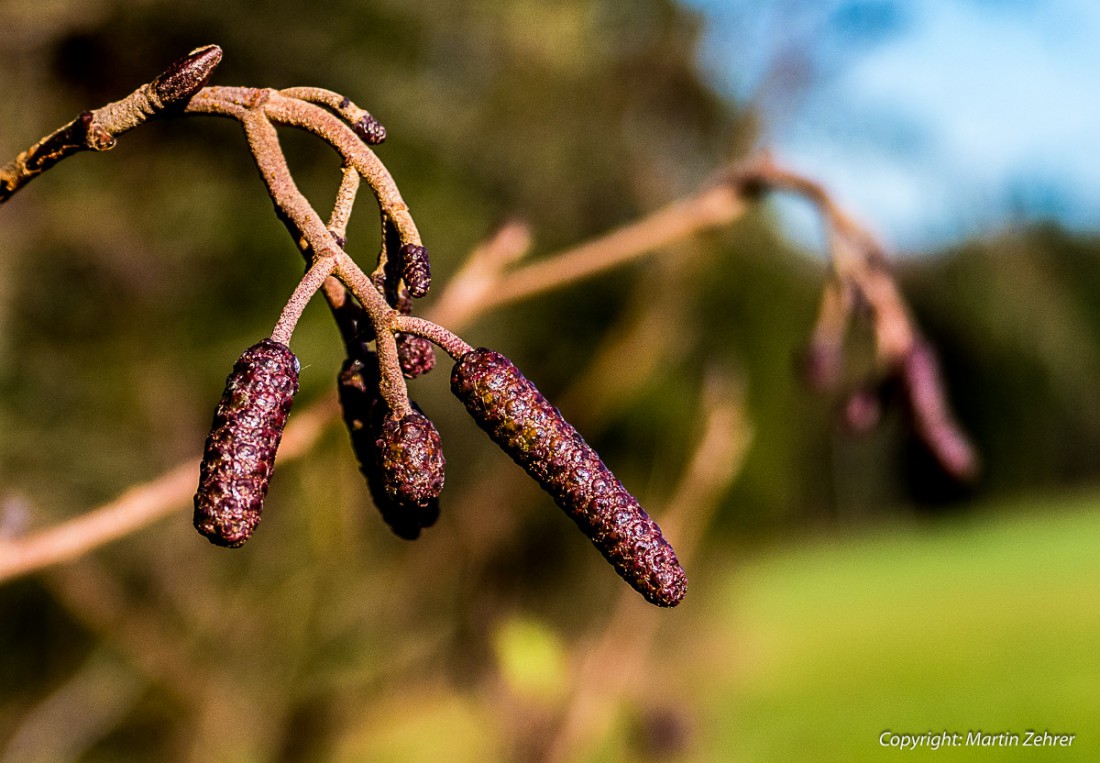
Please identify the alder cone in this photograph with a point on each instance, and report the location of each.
(412, 459)
(416, 269)
(240, 449)
(364, 414)
(415, 354)
(537, 437)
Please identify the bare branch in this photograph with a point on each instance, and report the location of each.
(307, 287)
(369, 129)
(140, 505)
(453, 344)
(710, 208)
(97, 130)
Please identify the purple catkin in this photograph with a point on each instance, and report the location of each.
(240, 450)
(412, 459)
(365, 416)
(416, 269)
(415, 354)
(537, 437)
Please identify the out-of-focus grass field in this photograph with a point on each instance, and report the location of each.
(808, 650)
(985, 623)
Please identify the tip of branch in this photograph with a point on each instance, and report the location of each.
(185, 77)
(933, 420)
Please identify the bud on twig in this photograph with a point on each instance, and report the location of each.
(240, 450)
(416, 269)
(187, 76)
(415, 353)
(370, 130)
(538, 438)
(365, 415)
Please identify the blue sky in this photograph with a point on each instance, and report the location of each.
(931, 120)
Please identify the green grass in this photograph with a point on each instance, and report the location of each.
(992, 624)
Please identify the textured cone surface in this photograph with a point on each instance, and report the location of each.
(534, 433)
(412, 459)
(364, 413)
(415, 354)
(416, 269)
(240, 450)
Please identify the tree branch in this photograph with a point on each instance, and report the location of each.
(490, 280)
(141, 505)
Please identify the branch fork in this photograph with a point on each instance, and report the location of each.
(396, 444)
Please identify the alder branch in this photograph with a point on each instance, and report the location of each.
(491, 279)
(147, 503)
(712, 207)
(97, 130)
(141, 505)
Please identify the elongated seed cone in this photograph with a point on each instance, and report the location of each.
(365, 415)
(415, 354)
(240, 450)
(533, 432)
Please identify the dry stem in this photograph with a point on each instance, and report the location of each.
(303, 292)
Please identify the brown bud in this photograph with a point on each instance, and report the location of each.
(415, 354)
(370, 130)
(537, 437)
(240, 450)
(416, 269)
(187, 76)
(412, 459)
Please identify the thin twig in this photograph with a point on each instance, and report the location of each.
(303, 292)
(365, 126)
(713, 207)
(453, 344)
(97, 130)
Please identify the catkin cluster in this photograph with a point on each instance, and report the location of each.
(397, 446)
